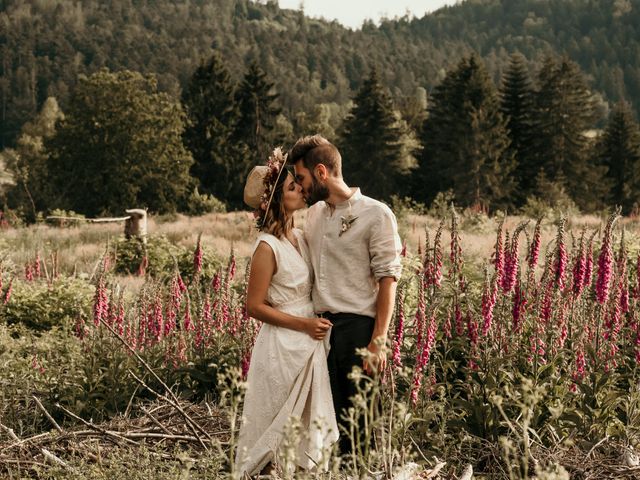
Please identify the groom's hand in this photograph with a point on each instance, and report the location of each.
(376, 360)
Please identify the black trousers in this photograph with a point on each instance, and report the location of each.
(349, 332)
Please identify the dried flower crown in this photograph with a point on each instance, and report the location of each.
(275, 164)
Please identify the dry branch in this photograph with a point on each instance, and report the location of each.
(173, 400)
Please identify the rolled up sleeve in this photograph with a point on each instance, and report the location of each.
(385, 246)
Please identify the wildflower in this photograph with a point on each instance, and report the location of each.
(119, 318)
(637, 344)
(534, 250)
(455, 254)
(28, 272)
(157, 322)
(560, 265)
(80, 329)
(446, 327)
(605, 261)
(519, 306)
(426, 264)
(188, 324)
(430, 339)
(458, 321)
(472, 329)
(419, 319)
(100, 302)
(579, 269)
(579, 372)
(423, 352)
(547, 301)
(437, 256)
(624, 300)
(512, 262)
(197, 257)
(36, 365)
(207, 317)
(498, 255)
(416, 383)
(181, 352)
(36, 266)
(225, 316)
(637, 293)
(432, 266)
(245, 363)
(231, 269)
(588, 269)
(8, 292)
(180, 283)
(489, 296)
(562, 324)
(216, 283)
(142, 268)
(399, 334)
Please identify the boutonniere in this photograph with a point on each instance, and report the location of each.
(346, 223)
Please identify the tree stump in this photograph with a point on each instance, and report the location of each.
(136, 224)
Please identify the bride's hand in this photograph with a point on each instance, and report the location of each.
(317, 327)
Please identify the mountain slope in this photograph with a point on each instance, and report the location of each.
(45, 44)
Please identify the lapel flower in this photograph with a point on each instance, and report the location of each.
(346, 223)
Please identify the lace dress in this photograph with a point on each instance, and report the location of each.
(288, 373)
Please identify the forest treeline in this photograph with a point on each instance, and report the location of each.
(46, 44)
(484, 132)
(527, 142)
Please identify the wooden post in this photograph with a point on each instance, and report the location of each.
(136, 224)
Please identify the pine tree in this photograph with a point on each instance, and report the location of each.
(619, 151)
(517, 106)
(257, 106)
(377, 149)
(564, 114)
(212, 118)
(466, 146)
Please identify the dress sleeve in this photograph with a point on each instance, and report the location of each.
(385, 246)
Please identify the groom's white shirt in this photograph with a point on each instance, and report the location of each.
(347, 267)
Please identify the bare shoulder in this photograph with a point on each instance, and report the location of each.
(264, 261)
(264, 250)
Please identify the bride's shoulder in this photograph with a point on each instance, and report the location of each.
(267, 238)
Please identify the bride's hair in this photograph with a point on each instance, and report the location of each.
(275, 220)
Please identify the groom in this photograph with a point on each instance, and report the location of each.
(355, 252)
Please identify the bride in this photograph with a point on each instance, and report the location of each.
(288, 374)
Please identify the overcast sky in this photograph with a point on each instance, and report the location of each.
(352, 12)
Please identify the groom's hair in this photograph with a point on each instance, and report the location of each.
(314, 150)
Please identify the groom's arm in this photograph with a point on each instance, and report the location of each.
(384, 249)
(384, 310)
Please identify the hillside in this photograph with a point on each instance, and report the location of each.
(46, 44)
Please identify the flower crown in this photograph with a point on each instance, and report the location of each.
(275, 164)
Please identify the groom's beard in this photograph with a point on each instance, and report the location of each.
(317, 193)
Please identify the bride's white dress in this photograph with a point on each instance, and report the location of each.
(288, 373)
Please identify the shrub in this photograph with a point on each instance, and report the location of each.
(200, 204)
(162, 255)
(41, 306)
(439, 208)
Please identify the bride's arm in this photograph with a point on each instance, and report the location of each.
(263, 267)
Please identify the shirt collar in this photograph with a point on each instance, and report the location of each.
(355, 196)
